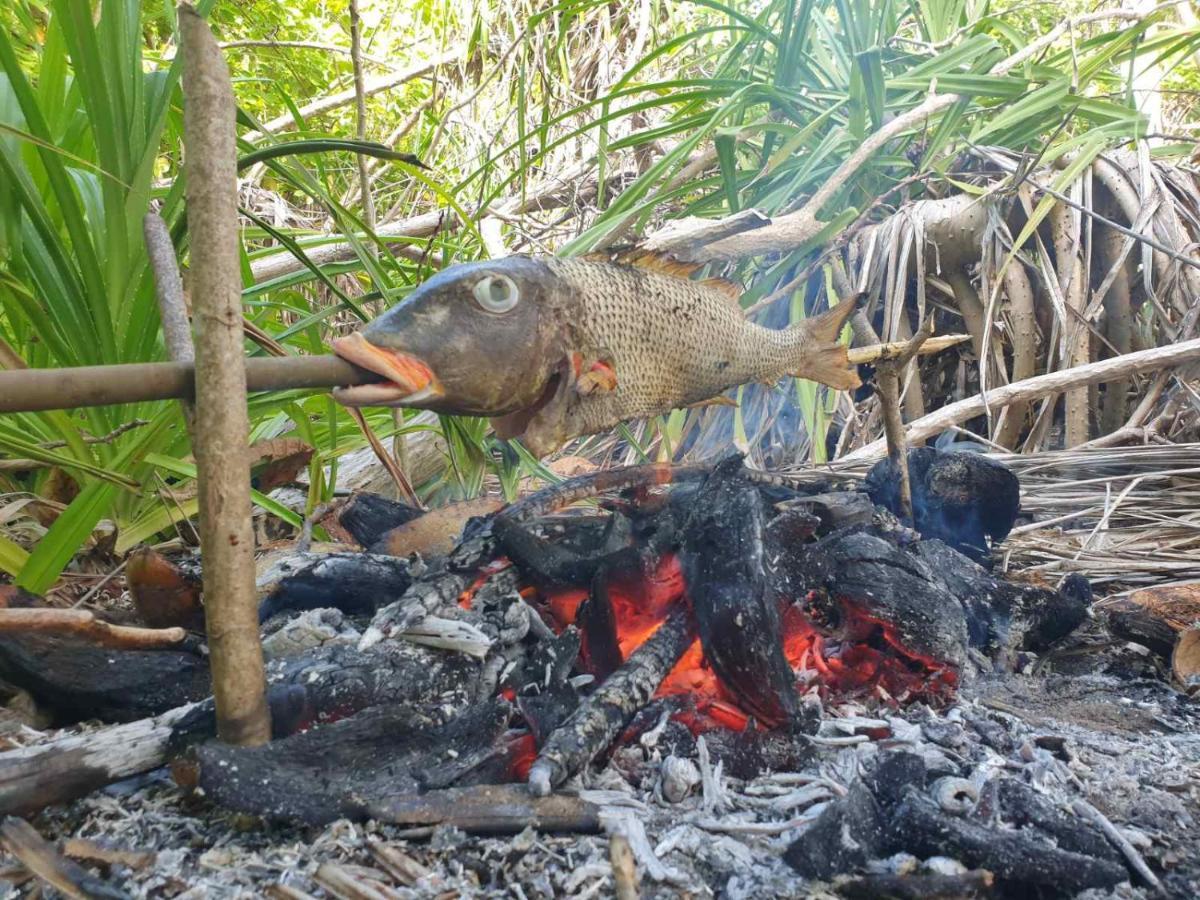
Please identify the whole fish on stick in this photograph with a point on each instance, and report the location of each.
(552, 349)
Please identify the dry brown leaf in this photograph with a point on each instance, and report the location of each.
(277, 462)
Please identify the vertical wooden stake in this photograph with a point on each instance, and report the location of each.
(222, 424)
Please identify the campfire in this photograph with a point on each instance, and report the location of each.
(833, 694)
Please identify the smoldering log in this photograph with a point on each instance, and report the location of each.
(489, 809)
(725, 569)
(595, 724)
(326, 772)
(330, 682)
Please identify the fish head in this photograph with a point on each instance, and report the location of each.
(479, 339)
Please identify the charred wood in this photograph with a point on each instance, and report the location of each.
(490, 809)
(333, 770)
(1016, 857)
(967, 886)
(367, 516)
(725, 570)
(43, 860)
(595, 724)
(355, 583)
(959, 497)
(76, 680)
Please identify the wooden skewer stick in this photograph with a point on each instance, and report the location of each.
(32, 390)
(83, 623)
(887, 379)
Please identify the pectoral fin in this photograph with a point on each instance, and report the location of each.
(593, 375)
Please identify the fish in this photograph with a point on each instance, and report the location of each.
(551, 348)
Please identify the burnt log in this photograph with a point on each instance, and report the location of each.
(75, 680)
(358, 584)
(967, 886)
(367, 516)
(489, 809)
(330, 771)
(1017, 858)
(726, 570)
(599, 719)
(866, 578)
(959, 497)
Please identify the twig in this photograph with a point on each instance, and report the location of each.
(168, 289)
(103, 439)
(360, 106)
(99, 585)
(1039, 386)
(624, 870)
(1085, 810)
(893, 350)
(83, 623)
(402, 483)
(222, 424)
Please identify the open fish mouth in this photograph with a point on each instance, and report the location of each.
(409, 380)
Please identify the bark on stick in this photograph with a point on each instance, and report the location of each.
(222, 422)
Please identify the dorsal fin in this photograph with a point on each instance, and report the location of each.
(667, 265)
(729, 289)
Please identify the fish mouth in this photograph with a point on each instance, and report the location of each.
(409, 382)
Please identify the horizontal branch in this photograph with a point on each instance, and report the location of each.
(1113, 369)
(342, 98)
(82, 623)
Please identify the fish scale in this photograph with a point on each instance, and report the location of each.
(672, 341)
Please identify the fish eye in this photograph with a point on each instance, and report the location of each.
(496, 293)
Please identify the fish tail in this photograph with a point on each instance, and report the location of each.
(822, 358)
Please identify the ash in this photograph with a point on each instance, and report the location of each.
(1129, 747)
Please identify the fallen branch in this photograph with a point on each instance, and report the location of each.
(83, 623)
(61, 770)
(41, 858)
(488, 809)
(1117, 367)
